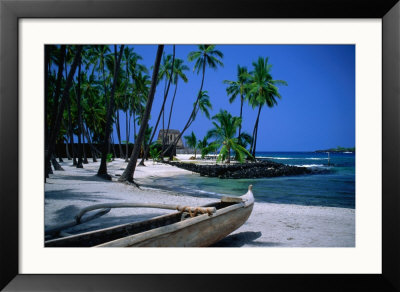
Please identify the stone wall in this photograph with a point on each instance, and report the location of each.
(244, 170)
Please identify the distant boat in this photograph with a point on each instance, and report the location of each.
(190, 227)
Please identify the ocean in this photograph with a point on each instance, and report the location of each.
(332, 187)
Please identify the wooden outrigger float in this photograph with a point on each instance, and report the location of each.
(189, 227)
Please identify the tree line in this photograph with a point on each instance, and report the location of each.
(87, 87)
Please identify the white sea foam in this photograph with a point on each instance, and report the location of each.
(293, 158)
(310, 165)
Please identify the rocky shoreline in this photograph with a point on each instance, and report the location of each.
(244, 170)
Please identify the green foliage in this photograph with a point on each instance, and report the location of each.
(224, 133)
(191, 141)
(262, 88)
(109, 157)
(155, 153)
(205, 147)
(206, 55)
(238, 87)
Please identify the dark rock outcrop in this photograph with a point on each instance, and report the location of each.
(243, 170)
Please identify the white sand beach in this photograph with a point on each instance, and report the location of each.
(270, 225)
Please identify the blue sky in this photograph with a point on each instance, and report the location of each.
(317, 109)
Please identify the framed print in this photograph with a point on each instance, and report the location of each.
(354, 45)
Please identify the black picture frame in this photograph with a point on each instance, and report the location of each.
(12, 11)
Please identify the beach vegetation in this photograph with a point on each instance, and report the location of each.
(191, 142)
(155, 153)
(224, 132)
(109, 157)
(206, 147)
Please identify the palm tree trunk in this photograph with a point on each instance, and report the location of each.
(127, 175)
(147, 148)
(255, 143)
(228, 160)
(92, 148)
(170, 113)
(67, 149)
(85, 160)
(241, 111)
(113, 148)
(126, 135)
(102, 172)
(121, 154)
(56, 165)
(134, 126)
(255, 132)
(70, 130)
(56, 127)
(79, 98)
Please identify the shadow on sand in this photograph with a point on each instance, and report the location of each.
(244, 238)
(69, 194)
(80, 177)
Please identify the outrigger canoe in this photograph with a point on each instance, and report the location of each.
(189, 227)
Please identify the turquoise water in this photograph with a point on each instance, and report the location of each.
(334, 187)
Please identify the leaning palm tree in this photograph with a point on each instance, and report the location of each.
(191, 141)
(238, 87)
(127, 175)
(262, 90)
(169, 76)
(224, 133)
(206, 55)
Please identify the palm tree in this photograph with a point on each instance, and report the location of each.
(262, 91)
(191, 141)
(238, 87)
(169, 75)
(127, 175)
(224, 133)
(206, 55)
(102, 172)
(205, 147)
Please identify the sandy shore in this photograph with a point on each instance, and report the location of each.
(270, 225)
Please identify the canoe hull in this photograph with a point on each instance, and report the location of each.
(201, 234)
